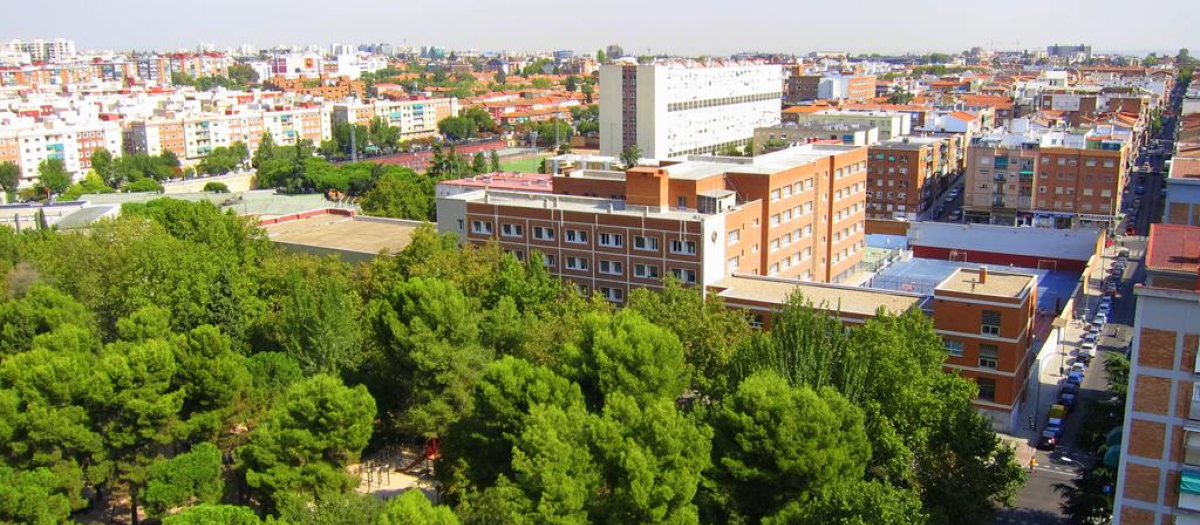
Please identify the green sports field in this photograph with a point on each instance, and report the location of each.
(528, 165)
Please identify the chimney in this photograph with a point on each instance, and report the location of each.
(983, 275)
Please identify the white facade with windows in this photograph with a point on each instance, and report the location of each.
(682, 109)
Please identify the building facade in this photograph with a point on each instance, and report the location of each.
(797, 213)
(71, 144)
(1045, 179)
(891, 124)
(906, 175)
(986, 321)
(674, 110)
(416, 118)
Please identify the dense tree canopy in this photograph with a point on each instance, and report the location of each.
(171, 363)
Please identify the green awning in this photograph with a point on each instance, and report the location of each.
(1189, 482)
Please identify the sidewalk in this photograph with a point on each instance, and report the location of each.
(1056, 361)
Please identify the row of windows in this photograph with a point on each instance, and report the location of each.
(722, 101)
(1062, 161)
(609, 267)
(605, 239)
(788, 238)
(989, 355)
(787, 191)
(790, 214)
(848, 211)
(847, 252)
(794, 260)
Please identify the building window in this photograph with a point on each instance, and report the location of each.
(511, 230)
(757, 321)
(615, 295)
(988, 356)
(543, 233)
(734, 236)
(611, 267)
(649, 244)
(577, 263)
(612, 240)
(460, 225)
(517, 254)
(481, 227)
(953, 347)
(548, 260)
(1194, 409)
(990, 324)
(686, 276)
(733, 263)
(645, 271)
(987, 388)
(577, 236)
(683, 247)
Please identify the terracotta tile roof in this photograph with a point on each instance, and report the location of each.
(887, 107)
(1185, 168)
(1173, 247)
(964, 116)
(806, 109)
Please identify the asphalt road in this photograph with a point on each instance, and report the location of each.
(1038, 502)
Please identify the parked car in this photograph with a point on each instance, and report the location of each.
(1141, 190)
(1048, 440)
(1068, 395)
(1075, 377)
(956, 215)
(1078, 367)
(1100, 319)
(1104, 308)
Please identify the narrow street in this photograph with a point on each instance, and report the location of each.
(1038, 502)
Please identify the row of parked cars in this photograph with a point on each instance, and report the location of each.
(1068, 393)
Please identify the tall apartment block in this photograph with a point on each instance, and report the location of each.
(905, 175)
(1046, 178)
(194, 136)
(1159, 475)
(800, 88)
(672, 110)
(796, 213)
(71, 144)
(416, 119)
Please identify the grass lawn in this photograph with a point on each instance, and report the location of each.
(529, 165)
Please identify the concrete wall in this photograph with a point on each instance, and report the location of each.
(236, 182)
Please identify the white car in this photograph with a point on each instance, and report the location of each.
(1087, 349)
(1078, 367)
(1100, 319)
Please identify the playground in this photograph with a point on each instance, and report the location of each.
(394, 470)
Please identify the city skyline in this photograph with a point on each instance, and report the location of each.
(670, 27)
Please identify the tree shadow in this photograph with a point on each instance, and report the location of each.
(1020, 515)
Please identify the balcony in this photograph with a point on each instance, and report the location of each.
(998, 203)
(1189, 490)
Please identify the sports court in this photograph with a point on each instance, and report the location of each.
(922, 275)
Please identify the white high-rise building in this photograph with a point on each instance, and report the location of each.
(40, 50)
(677, 109)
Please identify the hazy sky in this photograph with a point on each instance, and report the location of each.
(672, 26)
